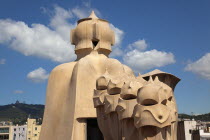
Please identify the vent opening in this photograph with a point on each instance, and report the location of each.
(95, 42)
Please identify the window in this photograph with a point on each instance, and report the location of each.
(35, 128)
(23, 129)
(14, 137)
(4, 137)
(35, 135)
(14, 129)
(29, 132)
(4, 130)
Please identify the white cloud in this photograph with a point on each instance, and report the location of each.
(60, 23)
(80, 13)
(119, 34)
(200, 67)
(48, 41)
(39, 40)
(85, 10)
(140, 45)
(38, 75)
(18, 91)
(2, 61)
(140, 60)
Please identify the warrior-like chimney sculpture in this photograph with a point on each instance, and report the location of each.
(96, 87)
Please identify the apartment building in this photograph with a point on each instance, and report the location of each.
(33, 129)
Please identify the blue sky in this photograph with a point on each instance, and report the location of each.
(173, 36)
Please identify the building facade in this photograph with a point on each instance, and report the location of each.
(185, 129)
(19, 132)
(30, 131)
(5, 132)
(205, 133)
(33, 130)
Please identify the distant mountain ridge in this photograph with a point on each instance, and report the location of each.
(202, 117)
(19, 112)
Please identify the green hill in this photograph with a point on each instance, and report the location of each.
(19, 112)
(202, 117)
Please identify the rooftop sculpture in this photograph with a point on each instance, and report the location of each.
(96, 86)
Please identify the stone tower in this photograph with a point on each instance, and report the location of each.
(96, 87)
